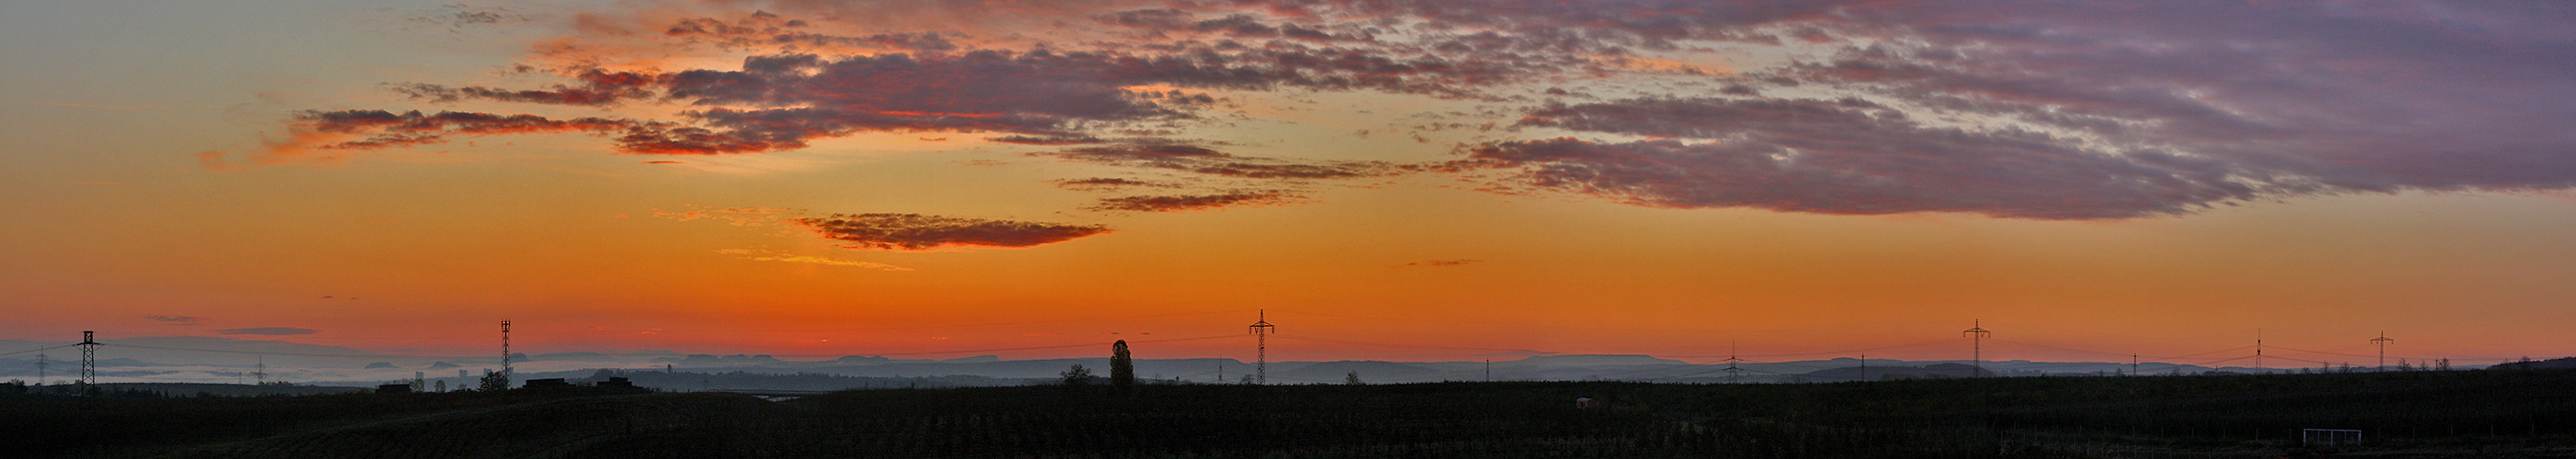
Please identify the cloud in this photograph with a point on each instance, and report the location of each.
(764, 31)
(925, 232)
(1109, 183)
(736, 216)
(597, 88)
(268, 331)
(2068, 111)
(175, 320)
(1203, 160)
(763, 255)
(1183, 203)
(1852, 157)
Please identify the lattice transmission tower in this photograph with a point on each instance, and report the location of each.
(89, 360)
(2383, 343)
(1976, 334)
(1261, 330)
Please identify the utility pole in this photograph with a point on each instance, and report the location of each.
(2383, 342)
(40, 368)
(2133, 364)
(1976, 334)
(1489, 370)
(1261, 330)
(1864, 367)
(2258, 351)
(89, 361)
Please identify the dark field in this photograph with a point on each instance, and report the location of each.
(2413, 414)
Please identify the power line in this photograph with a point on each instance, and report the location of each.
(1569, 327)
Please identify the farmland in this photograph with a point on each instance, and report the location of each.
(2404, 414)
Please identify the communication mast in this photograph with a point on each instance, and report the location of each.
(1261, 330)
(89, 361)
(505, 347)
(260, 373)
(2383, 343)
(1976, 334)
(40, 367)
(2258, 351)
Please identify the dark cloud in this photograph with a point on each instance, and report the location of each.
(1203, 160)
(596, 88)
(1106, 183)
(382, 129)
(924, 232)
(1183, 203)
(268, 331)
(769, 31)
(1853, 157)
(2054, 110)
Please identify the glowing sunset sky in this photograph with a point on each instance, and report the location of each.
(1469, 179)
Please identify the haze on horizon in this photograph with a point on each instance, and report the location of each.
(1393, 179)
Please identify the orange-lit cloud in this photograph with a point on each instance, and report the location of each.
(1182, 203)
(925, 232)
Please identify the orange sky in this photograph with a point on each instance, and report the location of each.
(113, 220)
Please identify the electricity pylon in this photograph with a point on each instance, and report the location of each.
(2383, 343)
(1976, 334)
(1261, 330)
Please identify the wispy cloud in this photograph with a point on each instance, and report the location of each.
(1440, 263)
(1182, 203)
(764, 255)
(268, 331)
(175, 320)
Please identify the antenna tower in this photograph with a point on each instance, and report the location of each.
(2383, 342)
(2258, 351)
(261, 371)
(1730, 362)
(1864, 367)
(2133, 364)
(1261, 330)
(1976, 334)
(505, 347)
(40, 368)
(89, 360)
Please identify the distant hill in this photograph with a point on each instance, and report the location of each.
(1881, 373)
(2560, 363)
(1591, 360)
(1334, 372)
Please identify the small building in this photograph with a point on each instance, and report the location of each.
(545, 383)
(617, 382)
(395, 388)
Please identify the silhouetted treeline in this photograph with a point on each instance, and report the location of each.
(2483, 413)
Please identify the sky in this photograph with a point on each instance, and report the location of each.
(1382, 179)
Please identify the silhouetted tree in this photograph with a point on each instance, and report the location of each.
(1352, 379)
(1122, 370)
(1077, 376)
(495, 381)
